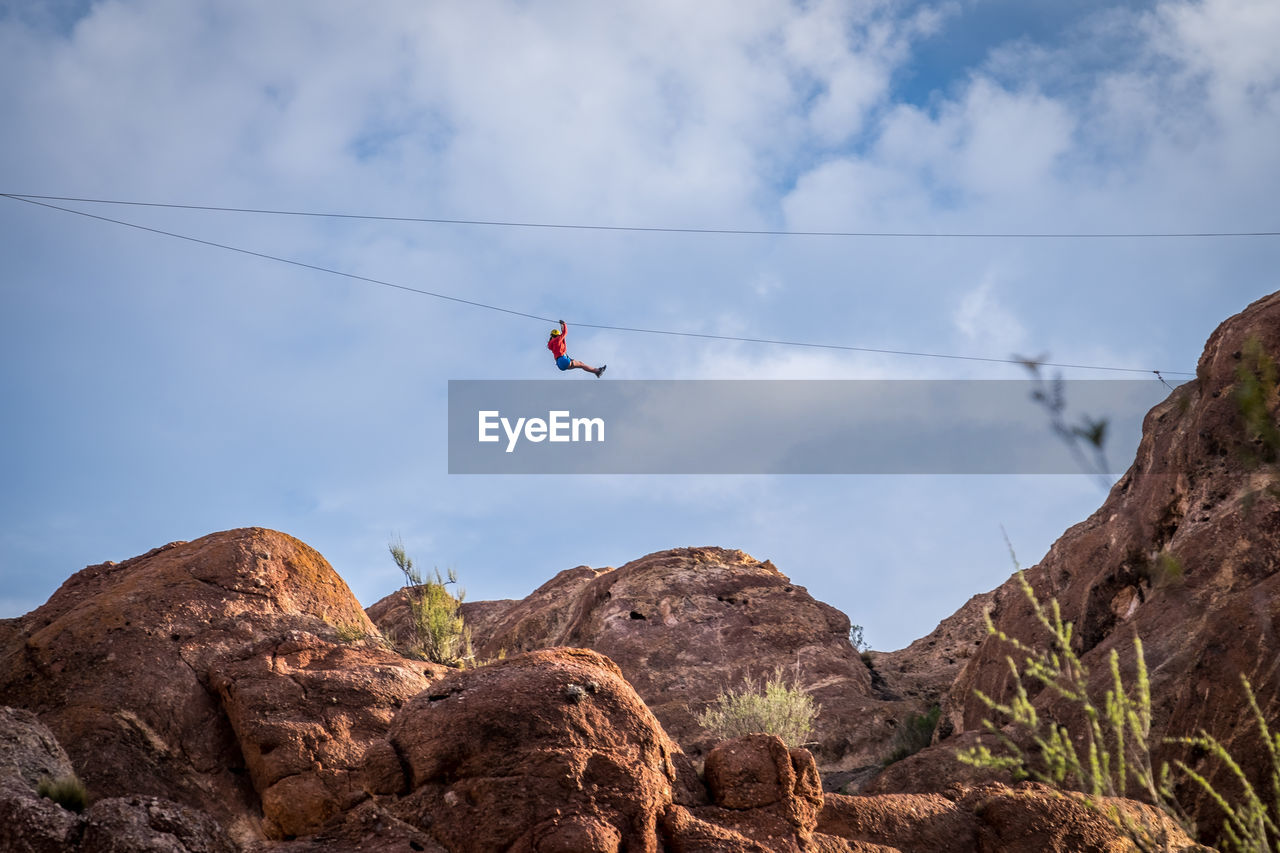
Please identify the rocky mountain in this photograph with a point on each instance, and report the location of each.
(685, 624)
(509, 757)
(231, 694)
(1184, 553)
(226, 694)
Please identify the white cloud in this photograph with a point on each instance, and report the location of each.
(983, 318)
(752, 113)
(1231, 41)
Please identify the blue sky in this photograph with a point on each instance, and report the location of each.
(157, 390)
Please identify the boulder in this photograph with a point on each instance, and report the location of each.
(177, 673)
(150, 825)
(540, 752)
(32, 823)
(29, 754)
(761, 792)
(304, 711)
(758, 771)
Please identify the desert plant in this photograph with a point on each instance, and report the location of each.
(1111, 737)
(914, 734)
(349, 632)
(1257, 379)
(1113, 758)
(1085, 440)
(67, 791)
(1115, 752)
(1251, 824)
(857, 640)
(770, 706)
(439, 633)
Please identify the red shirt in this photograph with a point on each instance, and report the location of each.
(557, 344)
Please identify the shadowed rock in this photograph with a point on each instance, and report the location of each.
(1184, 553)
(1029, 818)
(31, 823)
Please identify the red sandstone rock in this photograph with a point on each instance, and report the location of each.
(392, 616)
(936, 768)
(304, 711)
(685, 833)
(1029, 818)
(925, 670)
(682, 625)
(763, 791)
(28, 750)
(909, 822)
(30, 823)
(547, 751)
(758, 772)
(136, 666)
(1191, 501)
(536, 752)
(368, 828)
(198, 664)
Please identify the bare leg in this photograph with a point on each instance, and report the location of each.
(579, 365)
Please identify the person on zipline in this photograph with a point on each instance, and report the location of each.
(557, 346)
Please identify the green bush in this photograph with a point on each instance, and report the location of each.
(1257, 379)
(439, 633)
(348, 632)
(770, 707)
(67, 791)
(916, 733)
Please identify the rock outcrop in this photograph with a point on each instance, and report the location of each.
(208, 669)
(304, 710)
(685, 624)
(31, 822)
(552, 751)
(1184, 553)
(763, 795)
(1028, 818)
(211, 673)
(926, 669)
(546, 751)
(29, 753)
(229, 694)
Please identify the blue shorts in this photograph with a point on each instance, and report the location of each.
(563, 362)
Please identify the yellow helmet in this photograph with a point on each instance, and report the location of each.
(555, 332)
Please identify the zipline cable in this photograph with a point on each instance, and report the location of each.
(366, 279)
(265, 256)
(666, 229)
